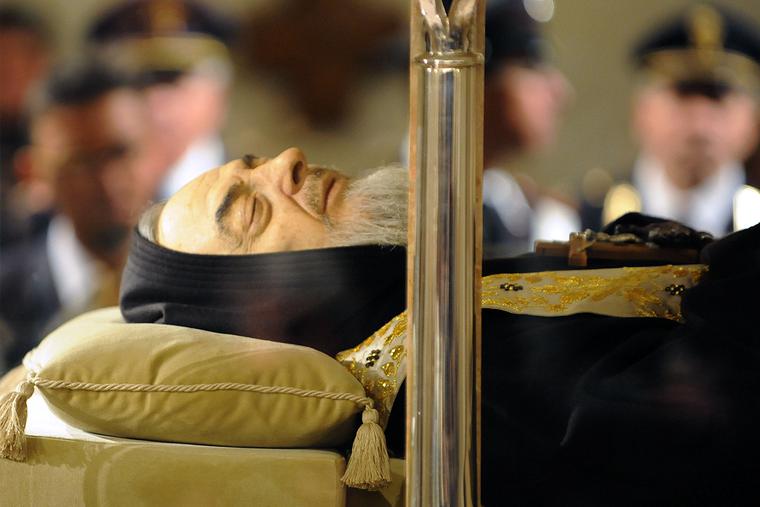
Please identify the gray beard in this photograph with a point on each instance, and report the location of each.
(378, 205)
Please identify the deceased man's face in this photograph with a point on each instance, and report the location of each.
(255, 205)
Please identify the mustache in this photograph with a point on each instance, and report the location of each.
(312, 192)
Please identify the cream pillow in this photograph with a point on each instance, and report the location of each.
(177, 384)
(100, 348)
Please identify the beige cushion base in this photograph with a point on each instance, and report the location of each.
(67, 466)
(75, 472)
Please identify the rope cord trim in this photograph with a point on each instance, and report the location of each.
(367, 468)
(194, 388)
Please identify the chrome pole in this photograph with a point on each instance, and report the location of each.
(445, 253)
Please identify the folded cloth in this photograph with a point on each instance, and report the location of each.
(725, 302)
(659, 231)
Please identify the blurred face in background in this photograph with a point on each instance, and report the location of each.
(183, 110)
(693, 135)
(24, 61)
(89, 155)
(523, 106)
(186, 109)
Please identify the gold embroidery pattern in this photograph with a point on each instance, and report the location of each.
(620, 292)
(379, 362)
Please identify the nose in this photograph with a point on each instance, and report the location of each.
(290, 168)
(116, 184)
(702, 114)
(563, 90)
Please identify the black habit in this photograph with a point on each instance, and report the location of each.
(579, 410)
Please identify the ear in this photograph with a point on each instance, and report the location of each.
(29, 166)
(753, 132)
(22, 164)
(33, 183)
(639, 106)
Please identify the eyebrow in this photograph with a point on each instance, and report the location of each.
(224, 208)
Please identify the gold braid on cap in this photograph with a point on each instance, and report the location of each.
(706, 33)
(167, 16)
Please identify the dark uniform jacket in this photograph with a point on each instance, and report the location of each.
(722, 205)
(28, 298)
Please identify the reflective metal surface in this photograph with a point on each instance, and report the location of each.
(444, 249)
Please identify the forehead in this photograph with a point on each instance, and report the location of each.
(117, 115)
(194, 195)
(696, 92)
(187, 219)
(214, 175)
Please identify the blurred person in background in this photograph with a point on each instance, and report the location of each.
(179, 48)
(695, 116)
(524, 98)
(25, 50)
(88, 136)
(753, 164)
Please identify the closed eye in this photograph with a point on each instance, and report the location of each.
(261, 214)
(253, 210)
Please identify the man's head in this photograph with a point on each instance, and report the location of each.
(268, 247)
(88, 129)
(179, 49)
(26, 55)
(692, 134)
(524, 94)
(257, 205)
(696, 109)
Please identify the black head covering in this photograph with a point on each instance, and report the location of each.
(736, 34)
(279, 296)
(512, 35)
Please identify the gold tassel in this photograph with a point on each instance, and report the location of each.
(369, 466)
(13, 422)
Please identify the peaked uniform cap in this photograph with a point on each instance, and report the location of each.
(162, 35)
(704, 47)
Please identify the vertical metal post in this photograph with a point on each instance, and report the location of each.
(445, 253)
